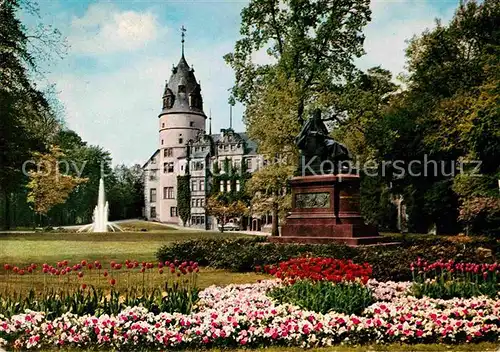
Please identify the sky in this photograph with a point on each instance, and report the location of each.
(120, 54)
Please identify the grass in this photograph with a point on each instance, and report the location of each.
(25, 248)
(22, 249)
(483, 347)
(480, 347)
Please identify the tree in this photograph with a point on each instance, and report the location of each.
(47, 185)
(358, 106)
(184, 198)
(223, 211)
(28, 122)
(125, 193)
(448, 114)
(312, 43)
(268, 187)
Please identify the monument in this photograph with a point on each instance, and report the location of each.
(325, 193)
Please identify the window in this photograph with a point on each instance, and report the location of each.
(152, 195)
(182, 88)
(181, 140)
(173, 211)
(152, 175)
(197, 219)
(152, 212)
(249, 163)
(168, 167)
(153, 161)
(191, 124)
(232, 146)
(163, 125)
(202, 185)
(193, 185)
(168, 192)
(168, 152)
(222, 186)
(202, 202)
(237, 185)
(162, 142)
(193, 204)
(197, 166)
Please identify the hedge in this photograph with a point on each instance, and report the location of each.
(388, 262)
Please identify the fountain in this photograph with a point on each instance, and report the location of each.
(101, 211)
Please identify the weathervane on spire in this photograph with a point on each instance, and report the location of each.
(183, 34)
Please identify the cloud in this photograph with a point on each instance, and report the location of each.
(104, 29)
(393, 23)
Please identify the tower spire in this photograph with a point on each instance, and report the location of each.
(210, 123)
(230, 116)
(183, 34)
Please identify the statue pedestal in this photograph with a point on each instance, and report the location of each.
(326, 209)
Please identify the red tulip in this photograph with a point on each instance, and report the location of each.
(84, 286)
(6, 266)
(112, 282)
(105, 273)
(160, 271)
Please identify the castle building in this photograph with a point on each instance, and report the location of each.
(184, 147)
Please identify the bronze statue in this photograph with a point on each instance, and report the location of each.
(320, 153)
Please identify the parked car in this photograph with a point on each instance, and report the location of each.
(230, 226)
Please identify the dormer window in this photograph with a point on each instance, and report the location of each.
(168, 99)
(182, 86)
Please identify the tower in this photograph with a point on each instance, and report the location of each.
(180, 120)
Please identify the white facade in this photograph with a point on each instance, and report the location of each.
(182, 140)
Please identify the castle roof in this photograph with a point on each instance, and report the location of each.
(182, 93)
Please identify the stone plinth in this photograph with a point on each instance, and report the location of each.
(326, 209)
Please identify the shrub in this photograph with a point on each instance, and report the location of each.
(324, 296)
(244, 254)
(388, 262)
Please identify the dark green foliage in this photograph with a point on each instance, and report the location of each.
(94, 301)
(324, 296)
(388, 262)
(184, 198)
(376, 206)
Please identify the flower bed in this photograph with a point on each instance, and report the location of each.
(319, 269)
(239, 315)
(246, 315)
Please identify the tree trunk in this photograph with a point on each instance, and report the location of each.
(6, 214)
(274, 226)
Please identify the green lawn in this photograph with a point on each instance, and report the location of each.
(481, 347)
(25, 248)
